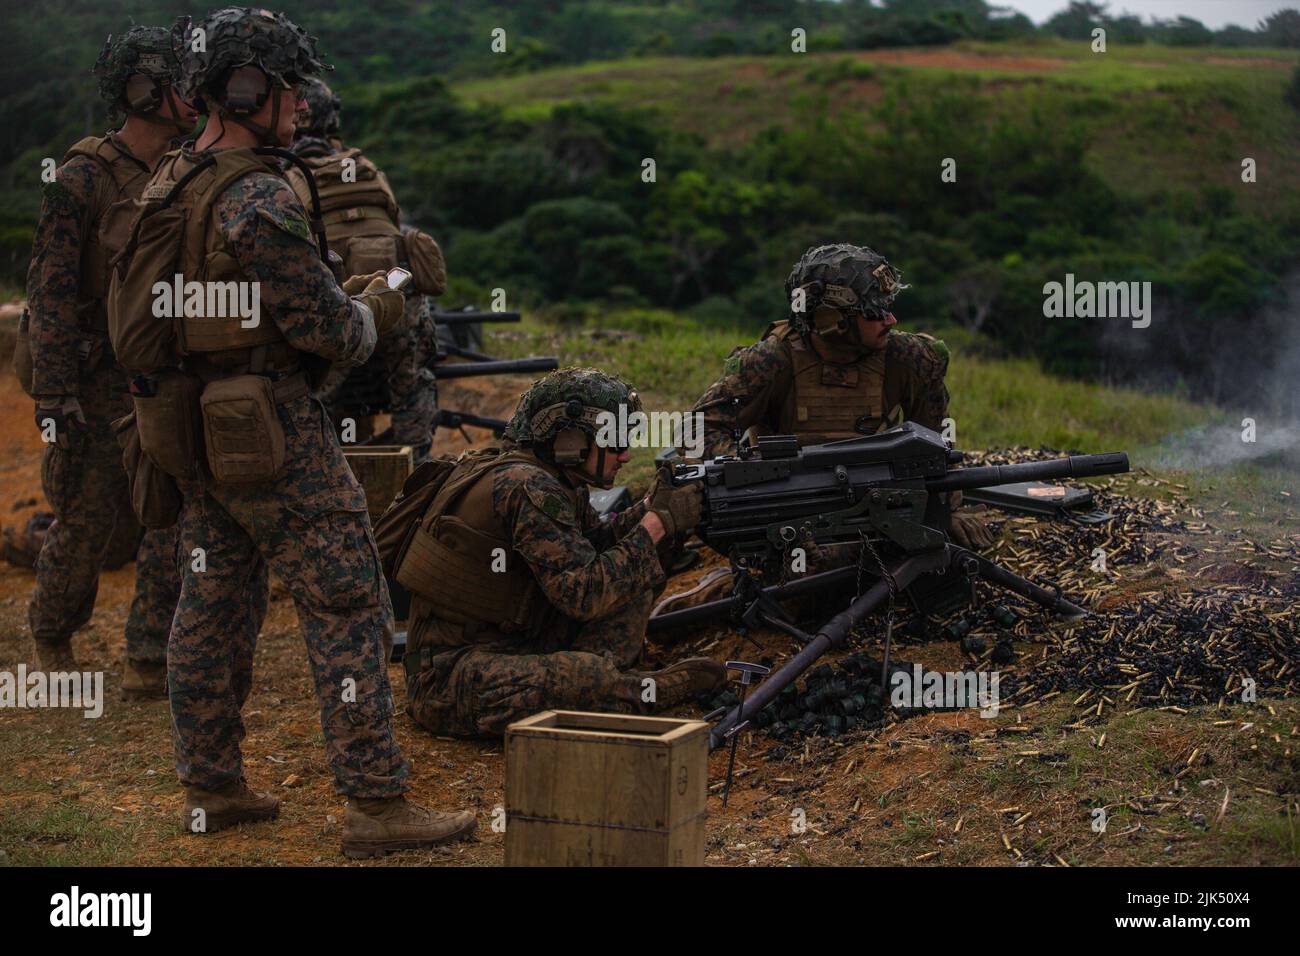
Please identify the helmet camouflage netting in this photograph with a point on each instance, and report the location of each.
(145, 50)
(242, 36)
(321, 118)
(568, 398)
(844, 276)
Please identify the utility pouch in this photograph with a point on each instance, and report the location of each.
(367, 254)
(428, 268)
(155, 497)
(241, 430)
(168, 422)
(23, 353)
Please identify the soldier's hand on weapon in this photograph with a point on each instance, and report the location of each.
(387, 305)
(970, 528)
(58, 417)
(357, 284)
(678, 507)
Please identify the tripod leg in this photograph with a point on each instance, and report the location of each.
(996, 574)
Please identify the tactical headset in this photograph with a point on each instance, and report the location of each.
(575, 424)
(145, 91)
(245, 91)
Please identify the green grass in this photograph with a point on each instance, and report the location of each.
(64, 833)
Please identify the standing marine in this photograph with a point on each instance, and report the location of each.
(264, 482)
(65, 361)
(523, 599)
(363, 224)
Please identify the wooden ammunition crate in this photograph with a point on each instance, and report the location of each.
(382, 470)
(605, 790)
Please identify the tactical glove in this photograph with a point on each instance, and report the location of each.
(970, 529)
(387, 305)
(64, 412)
(357, 284)
(678, 506)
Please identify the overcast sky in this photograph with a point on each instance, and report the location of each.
(1213, 13)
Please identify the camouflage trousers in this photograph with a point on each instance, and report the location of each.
(475, 691)
(310, 527)
(86, 487)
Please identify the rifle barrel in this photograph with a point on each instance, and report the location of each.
(546, 363)
(1075, 466)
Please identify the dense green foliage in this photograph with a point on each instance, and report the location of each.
(545, 197)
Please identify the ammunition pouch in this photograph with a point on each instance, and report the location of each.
(241, 428)
(156, 499)
(22, 359)
(168, 424)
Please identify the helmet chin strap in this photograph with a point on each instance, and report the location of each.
(266, 135)
(155, 116)
(845, 327)
(580, 472)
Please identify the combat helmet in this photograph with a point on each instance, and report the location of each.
(560, 416)
(240, 56)
(147, 53)
(844, 277)
(321, 117)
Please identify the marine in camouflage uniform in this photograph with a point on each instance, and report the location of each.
(79, 387)
(523, 599)
(837, 369)
(413, 395)
(308, 522)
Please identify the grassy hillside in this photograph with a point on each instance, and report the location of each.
(1170, 116)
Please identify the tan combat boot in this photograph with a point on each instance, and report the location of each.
(234, 803)
(714, 586)
(683, 681)
(55, 657)
(144, 680)
(378, 826)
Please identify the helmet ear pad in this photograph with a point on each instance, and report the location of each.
(570, 446)
(828, 320)
(143, 93)
(247, 89)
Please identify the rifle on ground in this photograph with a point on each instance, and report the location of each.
(883, 492)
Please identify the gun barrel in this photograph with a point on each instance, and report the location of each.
(467, 318)
(446, 418)
(544, 363)
(1075, 466)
